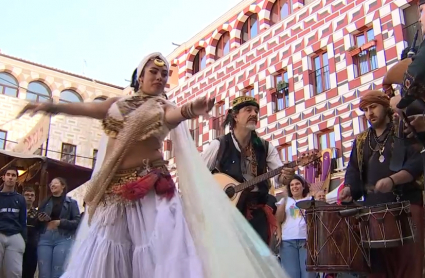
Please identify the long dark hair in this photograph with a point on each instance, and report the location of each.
(305, 185)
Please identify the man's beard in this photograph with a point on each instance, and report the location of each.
(380, 122)
(251, 126)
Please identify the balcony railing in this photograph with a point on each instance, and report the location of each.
(321, 80)
(410, 31)
(79, 160)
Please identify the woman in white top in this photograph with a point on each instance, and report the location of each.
(293, 252)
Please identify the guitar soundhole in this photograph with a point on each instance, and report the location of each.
(230, 191)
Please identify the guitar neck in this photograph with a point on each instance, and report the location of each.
(264, 176)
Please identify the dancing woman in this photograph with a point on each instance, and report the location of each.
(137, 227)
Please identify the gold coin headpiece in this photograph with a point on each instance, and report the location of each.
(158, 62)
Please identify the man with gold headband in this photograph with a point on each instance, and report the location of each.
(372, 174)
(242, 155)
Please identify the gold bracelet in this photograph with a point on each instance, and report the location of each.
(187, 111)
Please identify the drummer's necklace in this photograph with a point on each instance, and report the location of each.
(381, 148)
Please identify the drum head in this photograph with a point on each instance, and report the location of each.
(307, 204)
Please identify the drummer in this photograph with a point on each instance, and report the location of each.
(369, 175)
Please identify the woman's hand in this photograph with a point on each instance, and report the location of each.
(43, 217)
(33, 108)
(53, 224)
(202, 106)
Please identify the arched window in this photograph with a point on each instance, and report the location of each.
(99, 99)
(279, 11)
(223, 46)
(250, 28)
(8, 85)
(200, 61)
(69, 96)
(38, 92)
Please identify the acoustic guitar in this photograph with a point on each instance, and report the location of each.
(234, 189)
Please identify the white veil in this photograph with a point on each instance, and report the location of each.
(83, 228)
(226, 243)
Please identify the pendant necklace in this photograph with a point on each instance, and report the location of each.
(380, 147)
(381, 156)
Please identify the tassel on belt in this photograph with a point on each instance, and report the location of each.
(134, 184)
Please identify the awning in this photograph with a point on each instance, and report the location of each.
(75, 175)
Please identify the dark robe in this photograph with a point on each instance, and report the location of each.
(403, 261)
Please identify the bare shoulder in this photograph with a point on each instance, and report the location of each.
(169, 108)
(99, 110)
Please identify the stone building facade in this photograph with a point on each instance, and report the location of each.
(71, 139)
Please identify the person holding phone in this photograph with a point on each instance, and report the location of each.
(60, 216)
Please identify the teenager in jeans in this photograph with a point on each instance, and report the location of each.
(293, 251)
(13, 226)
(60, 216)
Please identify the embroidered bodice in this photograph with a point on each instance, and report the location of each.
(125, 107)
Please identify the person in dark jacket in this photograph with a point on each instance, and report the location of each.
(13, 226)
(30, 256)
(60, 217)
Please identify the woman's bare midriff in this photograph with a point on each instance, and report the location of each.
(149, 149)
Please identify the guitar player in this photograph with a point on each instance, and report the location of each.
(243, 155)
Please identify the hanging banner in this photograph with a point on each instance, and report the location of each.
(35, 138)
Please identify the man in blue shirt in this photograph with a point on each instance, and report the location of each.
(13, 226)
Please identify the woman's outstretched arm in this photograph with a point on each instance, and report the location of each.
(199, 107)
(96, 110)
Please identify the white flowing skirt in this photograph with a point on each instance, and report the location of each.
(147, 239)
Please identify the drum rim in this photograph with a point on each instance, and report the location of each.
(330, 208)
(376, 208)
